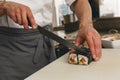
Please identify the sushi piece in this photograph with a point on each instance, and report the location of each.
(82, 57)
(73, 58)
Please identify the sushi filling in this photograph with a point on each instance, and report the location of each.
(77, 59)
(82, 60)
(73, 58)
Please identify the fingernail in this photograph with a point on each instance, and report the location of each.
(97, 58)
(34, 27)
(77, 44)
(94, 57)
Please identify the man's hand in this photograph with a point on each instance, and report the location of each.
(89, 34)
(20, 14)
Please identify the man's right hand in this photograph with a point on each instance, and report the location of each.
(20, 14)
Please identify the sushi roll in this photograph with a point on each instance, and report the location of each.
(82, 57)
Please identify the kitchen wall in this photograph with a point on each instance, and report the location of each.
(109, 8)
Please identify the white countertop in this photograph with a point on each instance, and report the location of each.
(107, 68)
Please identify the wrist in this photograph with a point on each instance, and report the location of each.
(86, 24)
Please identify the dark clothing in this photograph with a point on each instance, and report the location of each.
(95, 8)
(23, 52)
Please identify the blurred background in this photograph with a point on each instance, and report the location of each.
(106, 20)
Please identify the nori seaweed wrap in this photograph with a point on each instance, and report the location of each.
(82, 56)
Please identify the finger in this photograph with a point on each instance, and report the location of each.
(13, 17)
(18, 15)
(78, 40)
(72, 50)
(90, 42)
(97, 43)
(24, 19)
(31, 19)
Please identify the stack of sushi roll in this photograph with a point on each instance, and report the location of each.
(82, 57)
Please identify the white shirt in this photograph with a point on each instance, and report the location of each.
(41, 9)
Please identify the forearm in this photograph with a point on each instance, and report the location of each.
(83, 11)
(2, 10)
